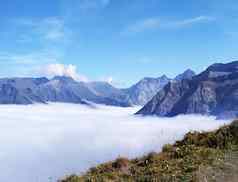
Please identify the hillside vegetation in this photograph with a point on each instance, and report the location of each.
(207, 156)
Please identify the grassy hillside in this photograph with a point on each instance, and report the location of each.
(208, 156)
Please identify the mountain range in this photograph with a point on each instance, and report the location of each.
(147, 88)
(212, 92)
(67, 90)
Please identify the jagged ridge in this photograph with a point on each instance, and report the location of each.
(213, 92)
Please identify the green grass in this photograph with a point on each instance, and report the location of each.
(207, 156)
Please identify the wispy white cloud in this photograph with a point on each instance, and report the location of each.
(20, 64)
(47, 29)
(156, 23)
(70, 70)
(53, 29)
(191, 21)
(146, 24)
(34, 58)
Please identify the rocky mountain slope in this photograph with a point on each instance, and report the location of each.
(213, 92)
(199, 157)
(188, 74)
(20, 90)
(145, 90)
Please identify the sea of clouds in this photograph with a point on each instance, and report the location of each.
(41, 143)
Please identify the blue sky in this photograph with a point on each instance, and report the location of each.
(116, 40)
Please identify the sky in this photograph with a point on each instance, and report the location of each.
(119, 41)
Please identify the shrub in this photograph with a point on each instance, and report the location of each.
(121, 163)
(167, 148)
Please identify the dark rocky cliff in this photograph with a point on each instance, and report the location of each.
(213, 92)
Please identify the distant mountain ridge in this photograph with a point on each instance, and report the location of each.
(188, 74)
(66, 89)
(145, 89)
(57, 89)
(213, 92)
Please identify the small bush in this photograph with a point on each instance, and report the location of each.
(121, 163)
(167, 148)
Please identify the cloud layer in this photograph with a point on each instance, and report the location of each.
(42, 141)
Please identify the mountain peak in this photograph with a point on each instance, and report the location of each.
(189, 71)
(220, 70)
(187, 74)
(224, 67)
(64, 78)
(164, 77)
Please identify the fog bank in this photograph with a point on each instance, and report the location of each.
(41, 143)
